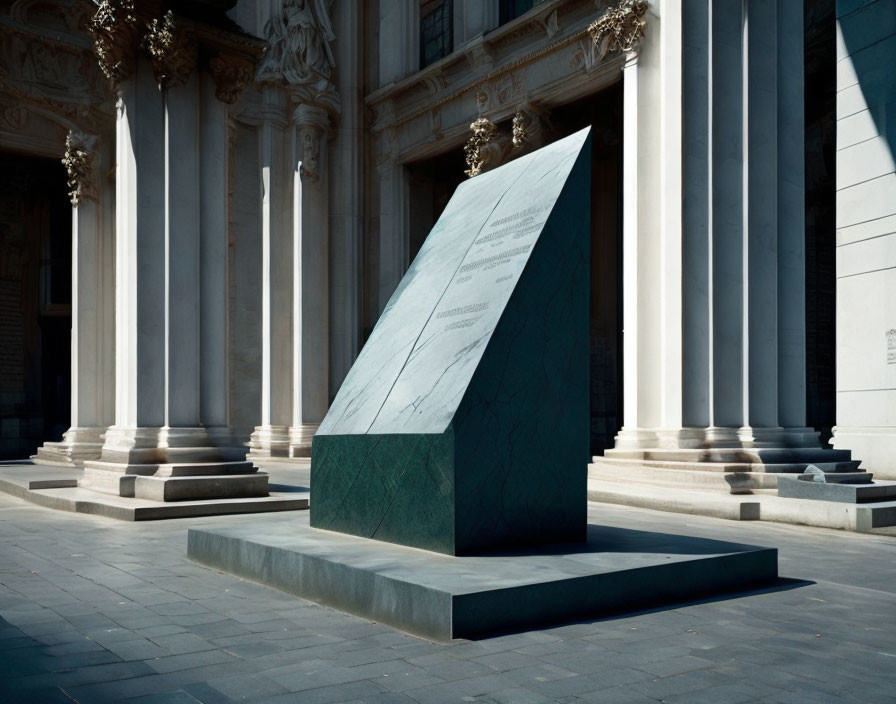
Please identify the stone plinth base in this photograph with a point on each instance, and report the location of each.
(269, 441)
(848, 493)
(77, 446)
(442, 597)
(738, 470)
(176, 482)
(875, 446)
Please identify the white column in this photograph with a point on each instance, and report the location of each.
(761, 212)
(346, 176)
(630, 287)
(791, 219)
(278, 175)
(182, 198)
(92, 367)
(393, 229)
(213, 294)
(310, 278)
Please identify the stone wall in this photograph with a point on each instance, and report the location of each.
(866, 233)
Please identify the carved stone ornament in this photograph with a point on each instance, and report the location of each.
(230, 73)
(483, 130)
(78, 163)
(300, 51)
(115, 32)
(621, 28)
(310, 170)
(173, 53)
(520, 136)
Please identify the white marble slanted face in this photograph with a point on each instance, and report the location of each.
(415, 368)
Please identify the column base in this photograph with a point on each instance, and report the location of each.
(875, 446)
(300, 437)
(715, 437)
(732, 460)
(170, 464)
(77, 446)
(269, 441)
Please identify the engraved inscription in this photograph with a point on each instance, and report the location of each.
(463, 310)
(495, 259)
(891, 346)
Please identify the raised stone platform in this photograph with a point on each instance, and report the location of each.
(59, 488)
(804, 488)
(443, 597)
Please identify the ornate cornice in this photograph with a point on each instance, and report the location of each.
(78, 162)
(172, 50)
(621, 28)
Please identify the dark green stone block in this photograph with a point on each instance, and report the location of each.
(463, 425)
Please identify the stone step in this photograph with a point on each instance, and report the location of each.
(861, 518)
(633, 471)
(114, 478)
(239, 486)
(784, 455)
(726, 467)
(797, 488)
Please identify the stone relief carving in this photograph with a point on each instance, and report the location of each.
(115, 32)
(310, 152)
(231, 74)
(300, 52)
(78, 163)
(172, 51)
(620, 28)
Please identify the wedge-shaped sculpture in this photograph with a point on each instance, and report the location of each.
(463, 424)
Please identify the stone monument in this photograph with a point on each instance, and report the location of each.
(463, 425)
(462, 430)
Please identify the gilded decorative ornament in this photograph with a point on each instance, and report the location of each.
(114, 30)
(520, 135)
(78, 163)
(172, 52)
(620, 28)
(483, 129)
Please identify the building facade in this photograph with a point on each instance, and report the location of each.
(249, 181)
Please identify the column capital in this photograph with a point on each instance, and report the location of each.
(231, 72)
(621, 28)
(173, 51)
(80, 150)
(313, 123)
(115, 29)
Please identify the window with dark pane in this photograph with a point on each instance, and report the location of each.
(511, 9)
(436, 30)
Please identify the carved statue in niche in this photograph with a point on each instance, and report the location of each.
(300, 51)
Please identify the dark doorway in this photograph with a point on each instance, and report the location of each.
(431, 184)
(603, 111)
(821, 168)
(35, 304)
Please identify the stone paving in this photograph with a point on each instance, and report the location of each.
(98, 610)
